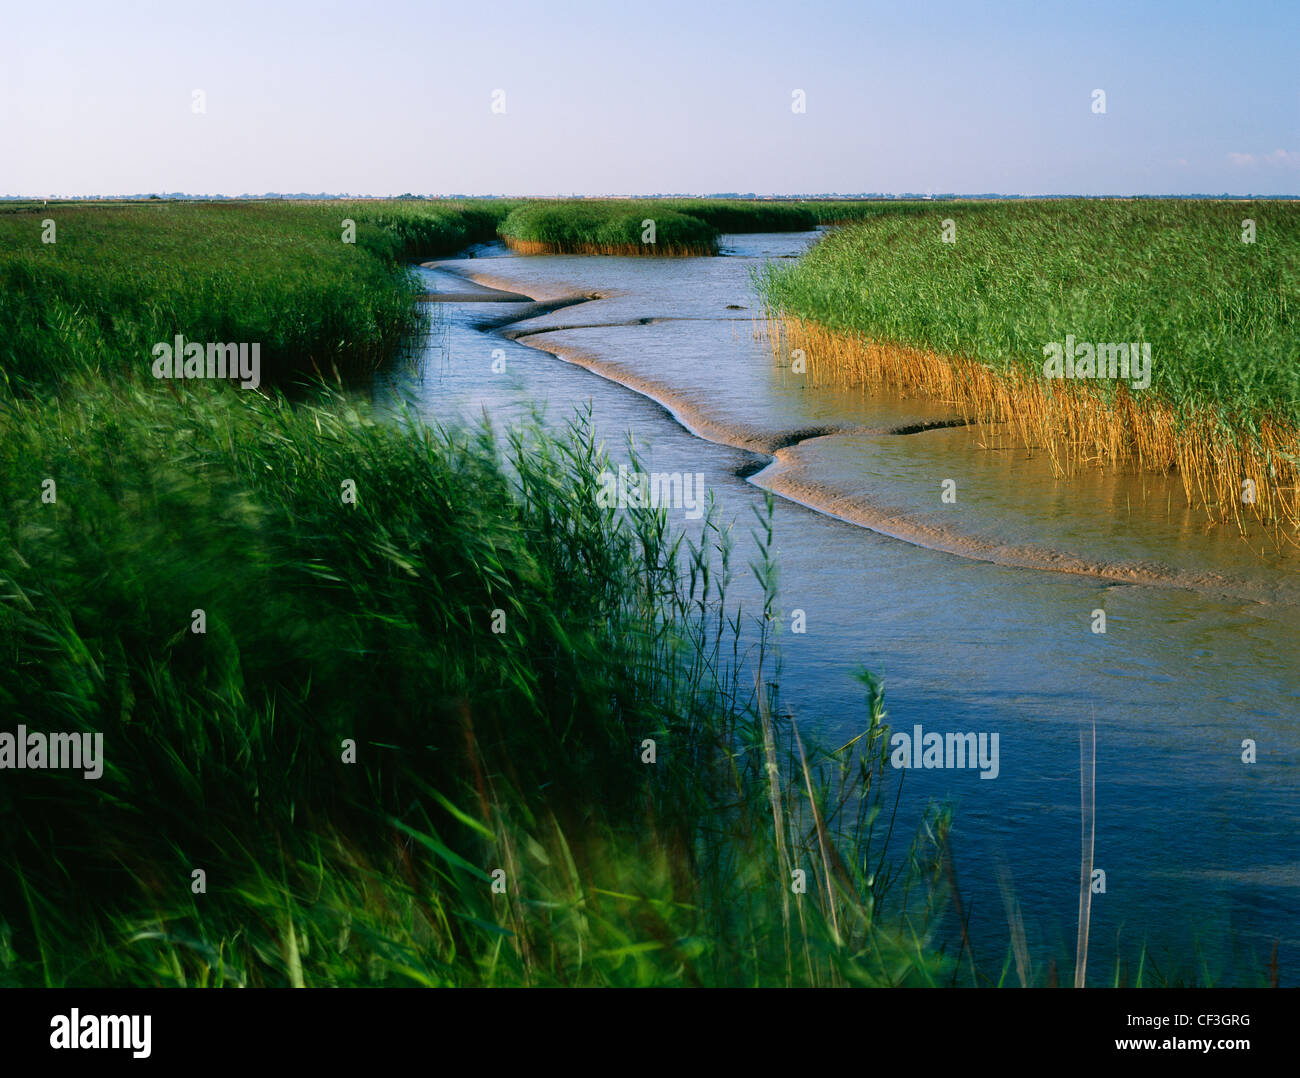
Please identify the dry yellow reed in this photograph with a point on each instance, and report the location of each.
(1077, 422)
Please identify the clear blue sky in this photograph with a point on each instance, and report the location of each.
(392, 96)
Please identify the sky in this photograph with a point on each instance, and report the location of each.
(491, 97)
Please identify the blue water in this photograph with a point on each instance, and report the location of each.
(956, 608)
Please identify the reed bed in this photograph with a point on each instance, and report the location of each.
(120, 278)
(1076, 424)
(368, 626)
(348, 751)
(683, 227)
(888, 303)
(379, 787)
(622, 250)
(849, 211)
(614, 227)
(749, 216)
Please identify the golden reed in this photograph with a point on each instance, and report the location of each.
(1076, 422)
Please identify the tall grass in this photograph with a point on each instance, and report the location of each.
(119, 279)
(729, 215)
(614, 228)
(888, 302)
(847, 211)
(393, 696)
(475, 750)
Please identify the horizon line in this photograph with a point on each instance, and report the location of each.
(872, 196)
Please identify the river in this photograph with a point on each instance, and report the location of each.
(978, 612)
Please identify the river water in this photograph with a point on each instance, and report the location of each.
(978, 612)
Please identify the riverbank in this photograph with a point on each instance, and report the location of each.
(965, 643)
(284, 618)
(645, 227)
(380, 702)
(1178, 318)
(321, 289)
(875, 456)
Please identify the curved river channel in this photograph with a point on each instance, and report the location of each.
(977, 613)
